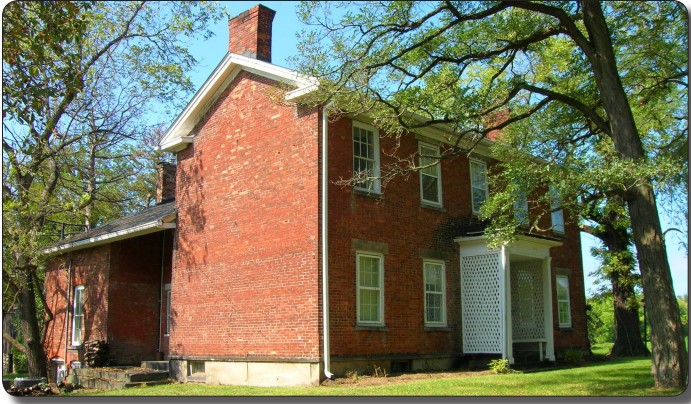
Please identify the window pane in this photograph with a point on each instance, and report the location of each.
(430, 188)
(369, 305)
(434, 302)
(562, 288)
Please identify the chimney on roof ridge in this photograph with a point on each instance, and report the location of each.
(249, 33)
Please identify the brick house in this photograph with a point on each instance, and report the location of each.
(262, 271)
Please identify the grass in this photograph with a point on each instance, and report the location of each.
(626, 377)
(14, 375)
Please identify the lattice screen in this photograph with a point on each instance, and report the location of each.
(481, 304)
(528, 316)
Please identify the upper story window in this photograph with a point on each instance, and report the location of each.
(520, 208)
(430, 174)
(478, 184)
(366, 157)
(435, 293)
(557, 212)
(370, 288)
(77, 315)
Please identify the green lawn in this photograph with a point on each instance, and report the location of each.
(630, 377)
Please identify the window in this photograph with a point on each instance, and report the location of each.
(520, 208)
(478, 183)
(77, 315)
(557, 213)
(435, 294)
(563, 302)
(370, 293)
(366, 157)
(430, 177)
(167, 289)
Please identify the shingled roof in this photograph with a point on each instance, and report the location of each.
(149, 220)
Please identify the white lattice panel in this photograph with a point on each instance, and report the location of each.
(481, 304)
(527, 309)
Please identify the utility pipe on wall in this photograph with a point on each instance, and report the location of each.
(325, 240)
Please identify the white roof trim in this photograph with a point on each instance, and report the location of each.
(178, 134)
(140, 230)
(519, 238)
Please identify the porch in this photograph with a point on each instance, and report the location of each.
(506, 298)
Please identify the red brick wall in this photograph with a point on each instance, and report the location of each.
(246, 274)
(135, 279)
(398, 220)
(121, 289)
(89, 268)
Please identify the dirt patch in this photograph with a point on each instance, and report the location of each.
(364, 380)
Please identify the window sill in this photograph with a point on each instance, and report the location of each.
(361, 327)
(75, 347)
(440, 328)
(565, 328)
(431, 206)
(366, 192)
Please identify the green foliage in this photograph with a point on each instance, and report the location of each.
(574, 357)
(601, 318)
(500, 366)
(684, 312)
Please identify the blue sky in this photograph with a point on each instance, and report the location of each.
(285, 28)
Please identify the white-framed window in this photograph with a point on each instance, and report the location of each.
(435, 293)
(520, 208)
(366, 156)
(430, 177)
(77, 315)
(370, 288)
(478, 184)
(557, 213)
(563, 301)
(167, 290)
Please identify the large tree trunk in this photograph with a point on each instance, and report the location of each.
(627, 325)
(28, 320)
(669, 358)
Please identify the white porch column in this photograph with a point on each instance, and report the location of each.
(547, 302)
(506, 292)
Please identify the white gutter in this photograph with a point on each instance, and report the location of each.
(142, 229)
(325, 240)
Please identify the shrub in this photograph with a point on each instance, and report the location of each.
(500, 366)
(573, 357)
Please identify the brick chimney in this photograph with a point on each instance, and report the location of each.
(250, 33)
(165, 184)
(496, 118)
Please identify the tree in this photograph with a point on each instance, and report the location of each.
(562, 70)
(78, 77)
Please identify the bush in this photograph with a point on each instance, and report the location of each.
(573, 357)
(500, 366)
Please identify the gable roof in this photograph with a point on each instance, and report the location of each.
(149, 220)
(178, 134)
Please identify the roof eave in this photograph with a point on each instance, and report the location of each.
(140, 230)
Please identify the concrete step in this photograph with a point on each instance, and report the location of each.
(111, 378)
(155, 365)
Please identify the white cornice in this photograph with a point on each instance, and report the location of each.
(179, 133)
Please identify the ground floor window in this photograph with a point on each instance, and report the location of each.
(370, 288)
(77, 315)
(563, 301)
(167, 289)
(435, 302)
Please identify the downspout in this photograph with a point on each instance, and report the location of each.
(325, 240)
(67, 307)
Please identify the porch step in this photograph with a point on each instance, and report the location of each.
(118, 378)
(155, 365)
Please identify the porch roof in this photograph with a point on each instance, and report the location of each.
(149, 220)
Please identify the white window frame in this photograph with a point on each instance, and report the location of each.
(442, 293)
(358, 288)
(561, 300)
(78, 303)
(474, 187)
(375, 185)
(520, 209)
(168, 300)
(437, 168)
(557, 213)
